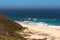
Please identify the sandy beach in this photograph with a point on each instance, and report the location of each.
(40, 32)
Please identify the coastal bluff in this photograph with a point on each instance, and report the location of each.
(11, 30)
(8, 29)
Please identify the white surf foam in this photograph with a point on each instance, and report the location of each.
(38, 24)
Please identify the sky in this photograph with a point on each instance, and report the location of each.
(29, 3)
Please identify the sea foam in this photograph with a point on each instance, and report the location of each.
(37, 24)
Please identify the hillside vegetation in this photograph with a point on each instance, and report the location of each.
(8, 29)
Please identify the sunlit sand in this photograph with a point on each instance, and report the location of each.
(40, 32)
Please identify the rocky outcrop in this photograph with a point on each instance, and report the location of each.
(8, 28)
(28, 19)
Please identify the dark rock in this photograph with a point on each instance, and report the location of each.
(28, 19)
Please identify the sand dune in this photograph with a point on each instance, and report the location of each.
(45, 32)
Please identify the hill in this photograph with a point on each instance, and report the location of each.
(8, 29)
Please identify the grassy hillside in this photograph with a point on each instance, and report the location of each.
(8, 29)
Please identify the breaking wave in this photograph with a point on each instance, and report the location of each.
(38, 24)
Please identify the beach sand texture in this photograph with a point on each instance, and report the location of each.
(40, 32)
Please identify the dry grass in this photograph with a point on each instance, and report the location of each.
(8, 28)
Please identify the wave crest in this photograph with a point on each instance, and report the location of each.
(38, 24)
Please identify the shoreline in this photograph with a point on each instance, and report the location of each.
(50, 26)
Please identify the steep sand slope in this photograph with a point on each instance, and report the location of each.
(38, 32)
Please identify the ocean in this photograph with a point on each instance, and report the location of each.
(47, 17)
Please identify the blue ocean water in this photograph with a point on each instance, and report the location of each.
(44, 16)
(32, 13)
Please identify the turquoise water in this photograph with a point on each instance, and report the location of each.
(50, 21)
(44, 16)
(43, 22)
(55, 22)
